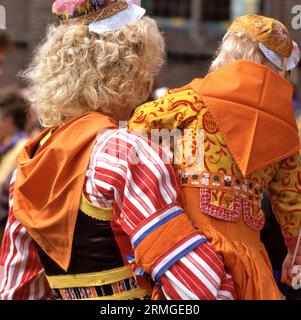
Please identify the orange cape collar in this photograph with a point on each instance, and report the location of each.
(49, 183)
(252, 106)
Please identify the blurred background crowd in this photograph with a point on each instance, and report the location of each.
(192, 28)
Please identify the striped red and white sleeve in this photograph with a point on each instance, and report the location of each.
(23, 276)
(127, 172)
(145, 192)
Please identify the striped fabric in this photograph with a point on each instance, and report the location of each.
(175, 254)
(137, 190)
(23, 277)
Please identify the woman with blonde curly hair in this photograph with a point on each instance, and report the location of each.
(91, 217)
(243, 108)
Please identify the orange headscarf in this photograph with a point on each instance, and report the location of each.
(49, 183)
(252, 106)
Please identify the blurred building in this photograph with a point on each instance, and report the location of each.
(26, 21)
(192, 29)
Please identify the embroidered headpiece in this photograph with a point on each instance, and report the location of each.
(100, 15)
(274, 39)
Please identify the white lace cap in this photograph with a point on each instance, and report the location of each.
(277, 60)
(116, 22)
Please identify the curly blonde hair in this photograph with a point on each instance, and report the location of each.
(76, 71)
(239, 46)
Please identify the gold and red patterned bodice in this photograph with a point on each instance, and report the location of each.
(224, 192)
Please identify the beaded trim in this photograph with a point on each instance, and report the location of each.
(251, 221)
(240, 207)
(242, 187)
(246, 195)
(219, 212)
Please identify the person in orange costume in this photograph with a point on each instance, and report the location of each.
(244, 107)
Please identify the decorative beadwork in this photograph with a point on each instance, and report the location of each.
(255, 223)
(243, 188)
(241, 206)
(219, 212)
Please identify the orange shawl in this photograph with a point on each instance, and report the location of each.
(252, 106)
(49, 183)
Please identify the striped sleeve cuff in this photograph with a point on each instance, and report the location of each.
(176, 253)
(162, 239)
(153, 223)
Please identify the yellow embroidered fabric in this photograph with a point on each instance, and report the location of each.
(184, 109)
(225, 205)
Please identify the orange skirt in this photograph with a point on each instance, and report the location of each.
(244, 255)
